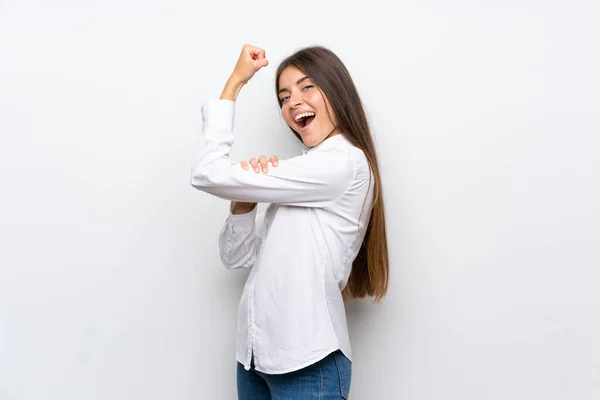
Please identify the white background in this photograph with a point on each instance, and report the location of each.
(486, 119)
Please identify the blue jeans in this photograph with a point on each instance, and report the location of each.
(327, 379)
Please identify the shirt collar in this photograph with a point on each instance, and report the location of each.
(326, 144)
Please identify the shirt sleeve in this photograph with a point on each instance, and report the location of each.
(238, 241)
(309, 180)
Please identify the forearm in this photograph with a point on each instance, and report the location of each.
(238, 241)
(232, 88)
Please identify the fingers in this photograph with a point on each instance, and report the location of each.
(255, 52)
(258, 56)
(262, 164)
(254, 164)
(261, 59)
(261, 63)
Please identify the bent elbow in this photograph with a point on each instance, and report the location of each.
(197, 183)
(199, 180)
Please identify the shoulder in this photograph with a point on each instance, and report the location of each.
(360, 162)
(347, 156)
(336, 162)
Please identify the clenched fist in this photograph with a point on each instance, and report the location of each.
(251, 60)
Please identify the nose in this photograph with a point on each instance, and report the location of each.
(295, 99)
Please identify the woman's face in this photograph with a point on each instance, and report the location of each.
(304, 107)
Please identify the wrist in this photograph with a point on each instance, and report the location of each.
(232, 88)
(236, 79)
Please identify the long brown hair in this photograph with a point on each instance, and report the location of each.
(370, 269)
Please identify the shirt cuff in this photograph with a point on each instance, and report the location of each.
(218, 115)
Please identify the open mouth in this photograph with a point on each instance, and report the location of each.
(305, 120)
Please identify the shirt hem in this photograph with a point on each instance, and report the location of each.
(297, 367)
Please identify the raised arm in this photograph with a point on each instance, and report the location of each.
(310, 180)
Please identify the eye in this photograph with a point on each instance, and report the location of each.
(283, 99)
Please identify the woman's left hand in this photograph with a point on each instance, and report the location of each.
(263, 162)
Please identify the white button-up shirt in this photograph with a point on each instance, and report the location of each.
(300, 249)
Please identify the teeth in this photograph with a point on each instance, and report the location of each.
(306, 114)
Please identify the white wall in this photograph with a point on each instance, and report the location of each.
(486, 117)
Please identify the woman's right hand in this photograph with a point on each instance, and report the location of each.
(262, 161)
(239, 207)
(250, 61)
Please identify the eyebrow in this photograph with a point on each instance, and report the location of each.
(299, 81)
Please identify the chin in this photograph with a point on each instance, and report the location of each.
(311, 142)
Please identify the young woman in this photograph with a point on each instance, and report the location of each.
(321, 239)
